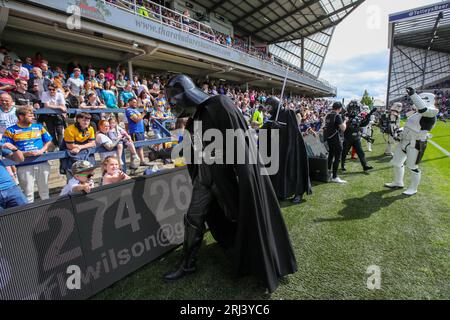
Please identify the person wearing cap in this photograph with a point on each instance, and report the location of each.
(83, 172)
(23, 72)
(334, 127)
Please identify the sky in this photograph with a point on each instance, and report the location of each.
(358, 56)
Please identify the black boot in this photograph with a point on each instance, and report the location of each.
(297, 199)
(193, 237)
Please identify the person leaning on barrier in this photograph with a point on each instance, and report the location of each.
(333, 128)
(83, 172)
(33, 140)
(10, 193)
(78, 138)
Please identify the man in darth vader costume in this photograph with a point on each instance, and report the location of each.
(292, 178)
(236, 200)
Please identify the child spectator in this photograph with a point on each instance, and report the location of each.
(83, 172)
(112, 172)
(116, 133)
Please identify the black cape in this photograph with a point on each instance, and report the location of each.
(245, 216)
(292, 177)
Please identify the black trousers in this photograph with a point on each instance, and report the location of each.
(334, 155)
(202, 196)
(356, 143)
(55, 127)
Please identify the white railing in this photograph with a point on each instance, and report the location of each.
(174, 19)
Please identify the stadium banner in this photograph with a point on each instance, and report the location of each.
(418, 12)
(74, 247)
(102, 12)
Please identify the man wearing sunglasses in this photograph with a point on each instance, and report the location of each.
(22, 97)
(83, 172)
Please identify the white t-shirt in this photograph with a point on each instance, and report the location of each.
(58, 99)
(75, 85)
(7, 119)
(101, 139)
(24, 73)
(71, 184)
(141, 88)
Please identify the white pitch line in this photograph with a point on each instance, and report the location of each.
(440, 148)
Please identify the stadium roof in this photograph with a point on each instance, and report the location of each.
(427, 32)
(274, 21)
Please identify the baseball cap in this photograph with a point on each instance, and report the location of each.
(82, 166)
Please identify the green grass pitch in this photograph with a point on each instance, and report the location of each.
(337, 233)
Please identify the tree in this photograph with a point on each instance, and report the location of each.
(367, 100)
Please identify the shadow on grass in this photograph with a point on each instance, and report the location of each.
(287, 203)
(363, 207)
(216, 273)
(362, 172)
(434, 159)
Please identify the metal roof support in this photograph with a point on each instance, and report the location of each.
(299, 9)
(255, 10)
(409, 58)
(353, 5)
(436, 24)
(391, 58)
(302, 58)
(217, 5)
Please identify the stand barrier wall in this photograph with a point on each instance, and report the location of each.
(108, 234)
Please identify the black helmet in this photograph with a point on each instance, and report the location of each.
(354, 108)
(272, 103)
(337, 105)
(182, 93)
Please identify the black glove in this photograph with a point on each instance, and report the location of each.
(410, 91)
(373, 111)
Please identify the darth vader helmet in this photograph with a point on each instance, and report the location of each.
(272, 105)
(184, 96)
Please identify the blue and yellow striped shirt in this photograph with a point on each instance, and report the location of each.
(26, 139)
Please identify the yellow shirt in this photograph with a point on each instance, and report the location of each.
(73, 135)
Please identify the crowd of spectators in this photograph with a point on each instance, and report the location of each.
(185, 22)
(91, 88)
(442, 94)
(74, 86)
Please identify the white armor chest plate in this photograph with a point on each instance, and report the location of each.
(412, 129)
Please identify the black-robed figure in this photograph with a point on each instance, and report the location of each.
(353, 134)
(292, 178)
(236, 200)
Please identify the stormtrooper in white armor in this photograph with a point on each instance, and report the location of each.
(367, 131)
(393, 126)
(413, 141)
